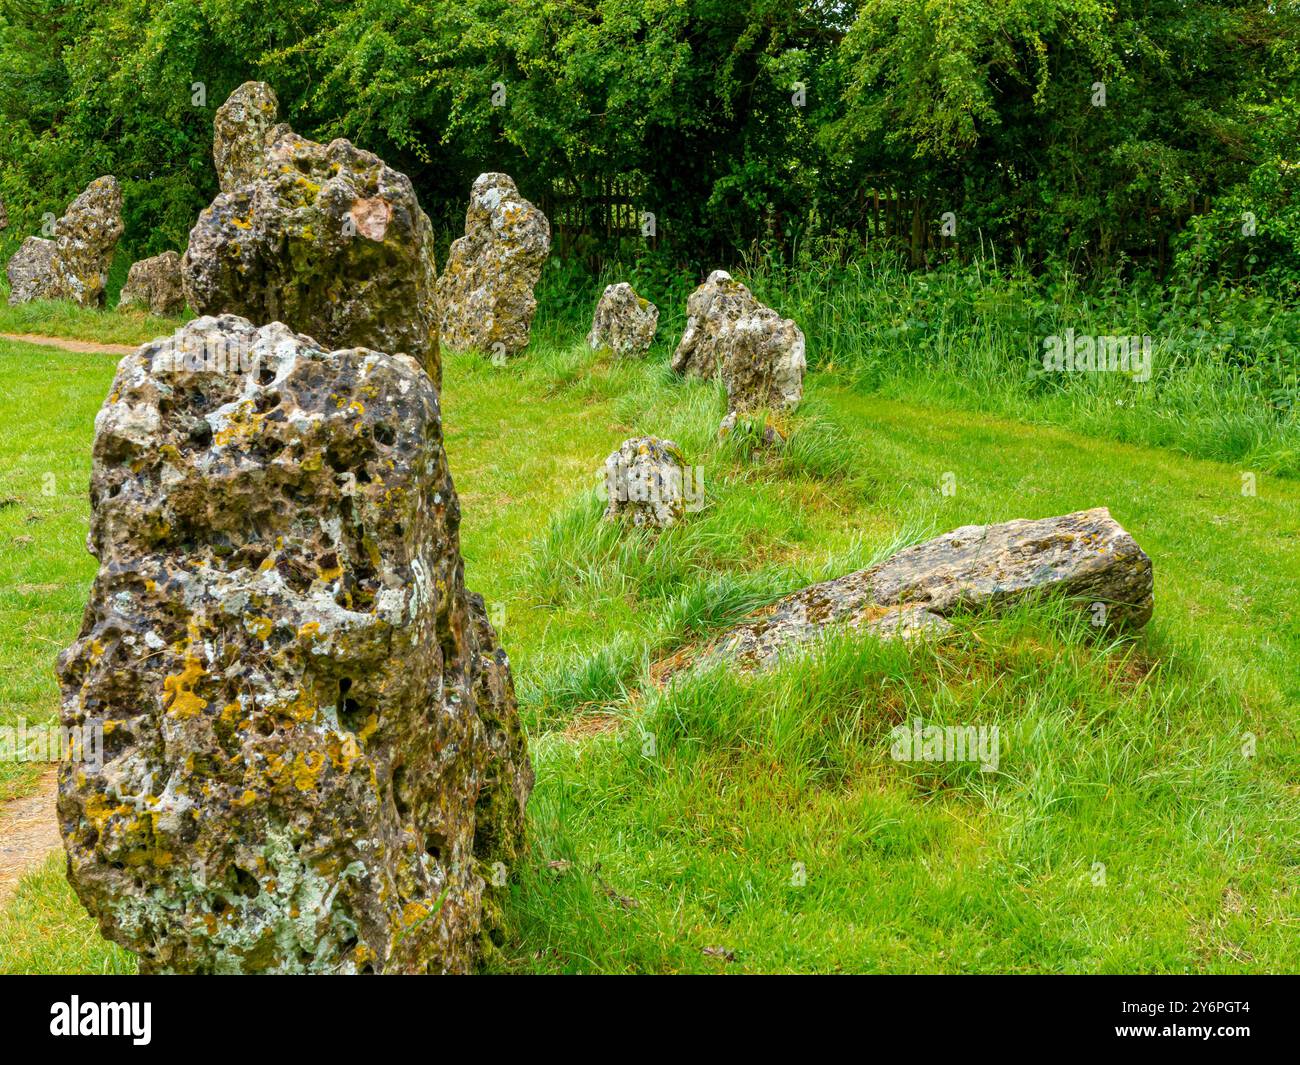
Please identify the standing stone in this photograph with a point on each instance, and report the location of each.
(84, 241)
(29, 270)
(758, 354)
(648, 482)
(75, 267)
(325, 238)
(244, 130)
(312, 756)
(1086, 557)
(624, 322)
(155, 283)
(486, 289)
(4, 216)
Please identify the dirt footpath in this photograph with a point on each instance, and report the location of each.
(87, 347)
(29, 831)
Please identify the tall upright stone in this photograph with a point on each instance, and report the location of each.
(244, 129)
(486, 288)
(312, 756)
(729, 334)
(75, 264)
(325, 238)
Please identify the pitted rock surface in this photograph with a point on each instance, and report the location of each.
(29, 270)
(325, 238)
(729, 334)
(486, 288)
(312, 752)
(645, 483)
(624, 322)
(244, 129)
(77, 261)
(1085, 556)
(155, 283)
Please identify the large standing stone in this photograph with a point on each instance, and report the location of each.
(486, 289)
(325, 238)
(648, 482)
(29, 270)
(244, 130)
(312, 755)
(1085, 556)
(76, 265)
(758, 354)
(155, 283)
(624, 322)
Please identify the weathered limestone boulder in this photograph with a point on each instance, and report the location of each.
(1085, 556)
(729, 334)
(244, 129)
(75, 267)
(29, 270)
(155, 283)
(325, 238)
(312, 756)
(647, 482)
(624, 322)
(486, 288)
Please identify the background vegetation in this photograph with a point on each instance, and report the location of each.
(735, 122)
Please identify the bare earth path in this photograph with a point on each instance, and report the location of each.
(88, 347)
(29, 830)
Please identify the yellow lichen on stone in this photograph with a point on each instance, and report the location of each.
(181, 702)
(306, 769)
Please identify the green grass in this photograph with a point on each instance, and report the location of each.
(58, 318)
(1123, 755)
(1225, 382)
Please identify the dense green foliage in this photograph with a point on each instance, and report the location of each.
(735, 122)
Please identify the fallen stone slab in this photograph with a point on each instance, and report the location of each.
(486, 288)
(155, 284)
(1085, 556)
(325, 238)
(312, 759)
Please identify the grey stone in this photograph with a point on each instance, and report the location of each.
(729, 334)
(29, 270)
(486, 288)
(325, 238)
(76, 265)
(244, 129)
(313, 760)
(647, 483)
(155, 284)
(1085, 556)
(624, 323)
